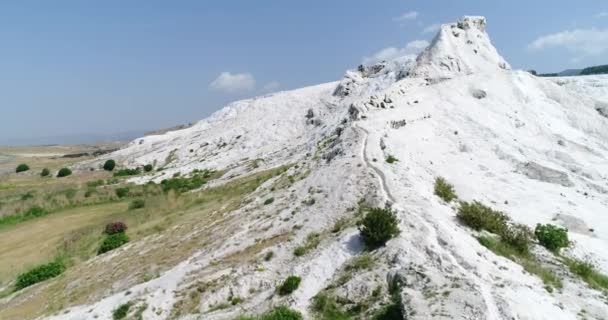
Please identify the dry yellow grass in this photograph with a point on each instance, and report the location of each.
(181, 226)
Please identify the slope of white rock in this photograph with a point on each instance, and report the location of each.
(534, 148)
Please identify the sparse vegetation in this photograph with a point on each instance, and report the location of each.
(552, 237)
(31, 213)
(527, 261)
(39, 274)
(278, 313)
(326, 308)
(391, 159)
(121, 192)
(444, 190)
(127, 172)
(45, 172)
(22, 168)
(588, 273)
(137, 204)
(109, 165)
(378, 226)
(64, 172)
(290, 285)
(185, 184)
(312, 241)
(121, 311)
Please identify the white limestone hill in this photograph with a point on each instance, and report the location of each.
(534, 148)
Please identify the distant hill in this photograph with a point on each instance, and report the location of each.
(602, 69)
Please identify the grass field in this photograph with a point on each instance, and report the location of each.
(77, 209)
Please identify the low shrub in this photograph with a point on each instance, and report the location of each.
(148, 168)
(480, 217)
(109, 165)
(121, 311)
(378, 226)
(289, 285)
(268, 201)
(552, 237)
(312, 241)
(518, 236)
(127, 172)
(444, 190)
(64, 172)
(137, 204)
(268, 256)
(327, 308)
(39, 274)
(112, 242)
(278, 313)
(391, 159)
(22, 167)
(185, 184)
(45, 172)
(121, 192)
(95, 183)
(115, 227)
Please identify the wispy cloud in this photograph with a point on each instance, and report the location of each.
(410, 15)
(233, 83)
(432, 28)
(391, 53)
(586, 42)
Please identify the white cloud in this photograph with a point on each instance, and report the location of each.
(410, 15)
(271, 86)
(233, 83)
(601, 15)
(391, 53)
(433, 28)
(589, 42)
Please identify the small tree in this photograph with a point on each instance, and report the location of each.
(22, 167)
(64, 172)
(109, 165)
(378, 226)
(552, 237)
(45, 172)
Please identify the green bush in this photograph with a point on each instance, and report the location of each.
(113, 241)
(22, 167)
(551, 237)
(184, 184)
(121, 312)
(109, 165)
(121, 192)
(444, 190)
(148, 168)
(378, 226)
(518, 236)
(127, 172)
(39, 274)
(278, 313)
(327, 308)
(480, 217)
(268, 256)
(95, 183)
(64, 172)
(289, 285)
(586, 271)
(45, 172)
(391, 159)
(137, 204)
(268, 201)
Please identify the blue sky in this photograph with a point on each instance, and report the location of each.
(70, 68)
